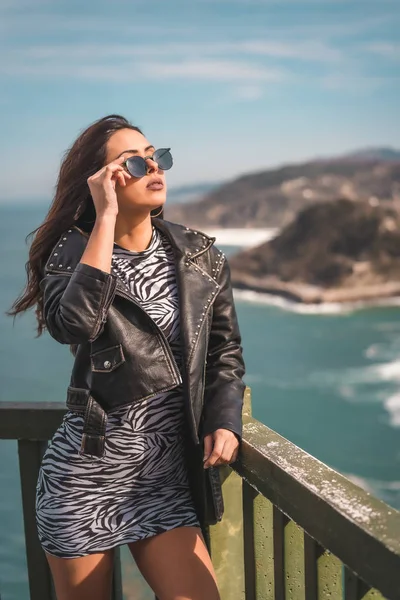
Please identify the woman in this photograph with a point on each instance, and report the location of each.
(155, 397)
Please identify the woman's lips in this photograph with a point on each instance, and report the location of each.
(157, 185)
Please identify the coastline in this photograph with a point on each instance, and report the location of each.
(305, 294)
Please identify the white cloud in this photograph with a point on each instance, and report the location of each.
(302, 50)
(249, 92)
(353, 83)
(386, 49)
(222, 70)
(128, 70)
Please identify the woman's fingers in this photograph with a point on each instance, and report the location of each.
(122, 177)
(229, 454)
(226, 447)
(216, 453)
(208, 446)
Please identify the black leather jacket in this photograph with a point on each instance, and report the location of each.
(121, 355)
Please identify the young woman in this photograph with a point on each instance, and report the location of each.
(156, 391)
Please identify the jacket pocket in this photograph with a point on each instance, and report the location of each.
(108, 359)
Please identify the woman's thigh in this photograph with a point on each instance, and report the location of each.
(84, 577)
(176, 564)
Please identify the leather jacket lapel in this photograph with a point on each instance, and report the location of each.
(197, 289)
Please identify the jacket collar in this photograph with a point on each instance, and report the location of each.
(68, 250)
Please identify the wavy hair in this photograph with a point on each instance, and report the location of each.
(72, 205)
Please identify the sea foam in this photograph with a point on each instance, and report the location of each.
(392, 405)
(326, 308)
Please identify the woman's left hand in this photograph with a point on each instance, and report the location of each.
(220, 447)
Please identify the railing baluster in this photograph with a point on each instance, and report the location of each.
(356, 589)
(312, 551)
(259, 545)
(279, 522)
(30, 454)
(329, 576)
(226, 539)
(249, 495)
(294, 562)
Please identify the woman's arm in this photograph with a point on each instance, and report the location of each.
(224, 388)
(75, 308)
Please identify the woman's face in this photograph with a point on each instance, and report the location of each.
(137, 192)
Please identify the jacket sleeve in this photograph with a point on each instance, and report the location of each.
(224, 387)
(75, 306)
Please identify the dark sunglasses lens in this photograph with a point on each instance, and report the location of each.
(136, 166)
(163, 158)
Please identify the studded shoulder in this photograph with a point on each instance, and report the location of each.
(67, 252)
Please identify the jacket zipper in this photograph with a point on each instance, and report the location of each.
(112, 281)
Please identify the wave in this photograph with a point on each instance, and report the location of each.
(392, 405)
(348, 382)
(241, 237)
(327, 308)
(346, 378)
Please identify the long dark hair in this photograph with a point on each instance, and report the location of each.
(72, 205)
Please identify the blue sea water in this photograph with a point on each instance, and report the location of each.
(327, 379)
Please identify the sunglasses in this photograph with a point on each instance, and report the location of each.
(137, 166)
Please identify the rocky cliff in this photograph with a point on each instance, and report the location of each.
(337, 251)
(273, 198)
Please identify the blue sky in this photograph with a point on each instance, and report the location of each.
(231, 85)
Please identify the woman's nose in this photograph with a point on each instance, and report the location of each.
(151, 165)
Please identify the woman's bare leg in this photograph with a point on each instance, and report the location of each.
(84, 577)
(176, 564)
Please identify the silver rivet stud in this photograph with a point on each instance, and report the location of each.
(64, 238)
(68, 267)
(55, 254)
(107, 364)
(69, 230)
(60, 265)
(59, 245)
(51, 264)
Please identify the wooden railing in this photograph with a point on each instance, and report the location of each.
(293, 527)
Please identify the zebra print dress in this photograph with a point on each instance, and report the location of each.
(140, 487)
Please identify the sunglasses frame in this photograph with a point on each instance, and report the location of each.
(144, 158)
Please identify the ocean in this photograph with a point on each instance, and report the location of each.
(327, 378)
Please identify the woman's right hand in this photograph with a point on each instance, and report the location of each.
(102, 186)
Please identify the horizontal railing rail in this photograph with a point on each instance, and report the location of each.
(293, 527)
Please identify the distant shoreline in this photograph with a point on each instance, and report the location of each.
(298, 293)
(324, 308)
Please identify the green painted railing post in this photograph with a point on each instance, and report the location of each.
(226, 538)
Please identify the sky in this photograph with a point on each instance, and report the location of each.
(232, 86)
